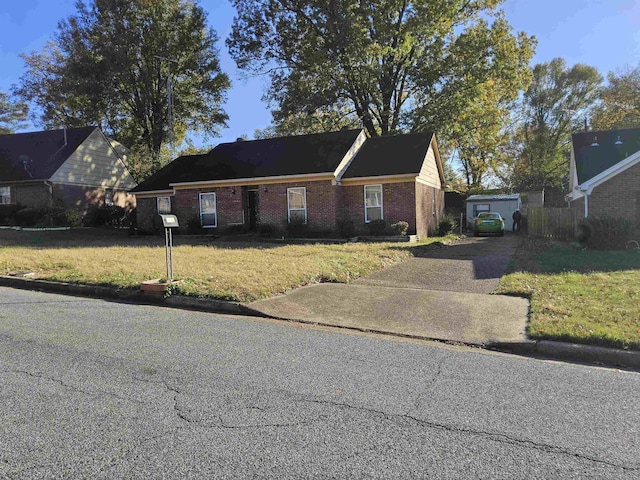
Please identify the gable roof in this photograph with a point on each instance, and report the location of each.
(272, 157)
(595, 152)
(391, 155)
(38, 155)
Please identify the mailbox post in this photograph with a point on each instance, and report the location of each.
(169, 222)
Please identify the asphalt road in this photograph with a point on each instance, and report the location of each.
(96, 389)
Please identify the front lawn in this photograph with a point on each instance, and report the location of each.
(581, 296)
(228, 270)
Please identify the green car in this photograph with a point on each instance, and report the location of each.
(488, 222)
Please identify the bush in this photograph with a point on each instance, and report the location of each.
(106, 216)
(8, 214)
(28, 217)
(268, 230)
(377, 228)
(400, 228)
(604, 233)
(194, 227)
(447, 224)
(296, 228)
(346, 228)
(237, 229)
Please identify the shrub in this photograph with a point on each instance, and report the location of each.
(346, 228)
(8, 214)
(236, 229)
(105, 216)
(377, 227)
(296, 228)
(447, 224)
(28, 217)
(400, 228)
(53, 217)
(268, 230)
(194, 227)
(604, 233)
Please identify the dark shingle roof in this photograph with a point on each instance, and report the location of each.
(37, 155)
(297, 155)
(393, 155)
(592, 160)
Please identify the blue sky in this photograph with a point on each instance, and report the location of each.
(601, 33)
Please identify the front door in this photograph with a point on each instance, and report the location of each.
(252, 208)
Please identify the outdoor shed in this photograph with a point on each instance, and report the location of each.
(505, 205)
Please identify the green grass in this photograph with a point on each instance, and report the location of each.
(582, 296)
(227, 270)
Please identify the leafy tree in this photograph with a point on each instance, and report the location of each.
(481, 132)
(620, 101)
(556, 103)
(321, 120)
(109, 64)
(398, 64)
(12, 114)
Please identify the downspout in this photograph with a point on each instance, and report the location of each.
(586, 191)
(50, 185)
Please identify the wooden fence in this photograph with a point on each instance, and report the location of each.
(552, 222)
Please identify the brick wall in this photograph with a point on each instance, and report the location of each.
(229, 204)
(398, 204)
(617, 197)
(326, 204)
(321, 204)
(36, 195)
(429, 209)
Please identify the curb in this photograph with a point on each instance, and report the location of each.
(575, 352)
(127, 295)
(537, 348)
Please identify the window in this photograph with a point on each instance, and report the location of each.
(480, 208)
(208, 216)
(108, 197)
(5, 195)
(297, 199)
(164, 204)
(372, 203)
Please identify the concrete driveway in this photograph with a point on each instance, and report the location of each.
(444, 295)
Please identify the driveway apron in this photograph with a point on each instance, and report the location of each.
(444, 295)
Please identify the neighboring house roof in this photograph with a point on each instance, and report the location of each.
(392, 155)
(38, 155)
(496, 197)
(595, 152)
(272, 157)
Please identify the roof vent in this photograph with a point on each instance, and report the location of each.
(239, 139)
(618, 142)
(595, 142)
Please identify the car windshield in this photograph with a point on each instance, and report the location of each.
(489, 215)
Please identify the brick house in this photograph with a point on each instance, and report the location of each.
(604, 174)
(75, 168)
(322, 180)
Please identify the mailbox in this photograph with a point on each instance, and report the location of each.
(169, 221)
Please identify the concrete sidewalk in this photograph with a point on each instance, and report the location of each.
(444, 295)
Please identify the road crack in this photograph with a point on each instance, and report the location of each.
(493, 436)
(74, 388)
